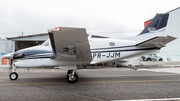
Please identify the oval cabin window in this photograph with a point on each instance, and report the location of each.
(112, 44)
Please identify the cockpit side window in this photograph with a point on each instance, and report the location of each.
(46, 43)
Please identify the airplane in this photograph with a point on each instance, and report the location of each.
(69, 47)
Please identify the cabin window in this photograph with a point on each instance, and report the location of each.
(47, 44)
(112, 44)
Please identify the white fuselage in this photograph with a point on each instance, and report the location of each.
(102, 50)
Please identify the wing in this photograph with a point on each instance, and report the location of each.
(70, 44)
(158, 41)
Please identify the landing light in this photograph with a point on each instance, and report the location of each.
(57, 29)
(54, 29)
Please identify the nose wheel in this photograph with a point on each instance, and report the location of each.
(13, 76)
(72, 76)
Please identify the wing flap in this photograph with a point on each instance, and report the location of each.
(158, 41)
(70, 44)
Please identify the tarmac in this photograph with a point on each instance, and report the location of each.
(95, 83)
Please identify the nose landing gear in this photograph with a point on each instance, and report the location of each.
(13, 75)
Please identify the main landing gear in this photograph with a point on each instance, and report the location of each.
(72, 76)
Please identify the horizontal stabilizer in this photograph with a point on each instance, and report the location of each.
(158, 41)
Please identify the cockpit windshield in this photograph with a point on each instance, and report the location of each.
(46, 43)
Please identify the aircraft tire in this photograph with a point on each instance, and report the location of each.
(149, 59)
(160, 59)
(74, 80)
(13, 76)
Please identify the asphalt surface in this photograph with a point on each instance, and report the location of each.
(102, 84)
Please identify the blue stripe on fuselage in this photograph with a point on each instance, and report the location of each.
(30, 52)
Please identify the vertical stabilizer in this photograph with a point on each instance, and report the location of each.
(158, 22)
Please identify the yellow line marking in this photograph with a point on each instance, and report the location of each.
(90, 82)
(131, 81)
(33, 84)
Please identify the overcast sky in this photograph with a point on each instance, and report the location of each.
(103, 17)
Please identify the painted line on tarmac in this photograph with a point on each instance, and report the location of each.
(32, 84)
(163, 99)
(127, 75)
(140, 81)
(101, 82)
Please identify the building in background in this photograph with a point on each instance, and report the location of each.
(16, 43)
(7, 46)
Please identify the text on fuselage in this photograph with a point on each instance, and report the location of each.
(106, 55)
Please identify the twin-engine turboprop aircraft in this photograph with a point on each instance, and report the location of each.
(68, 47)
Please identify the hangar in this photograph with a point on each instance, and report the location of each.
(16, 43)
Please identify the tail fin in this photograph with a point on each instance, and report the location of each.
(157, 23)
(154, 30)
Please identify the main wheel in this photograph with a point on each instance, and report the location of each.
(160, 59)
(149, 59)
(72, 78)
(13, 76)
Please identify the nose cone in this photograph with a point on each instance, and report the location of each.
(8, 56)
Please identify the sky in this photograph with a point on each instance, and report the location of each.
(114, 18)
